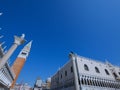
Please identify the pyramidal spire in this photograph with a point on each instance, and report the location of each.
(25, 51)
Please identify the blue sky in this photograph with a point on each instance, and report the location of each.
(90, 28)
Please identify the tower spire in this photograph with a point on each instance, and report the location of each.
(25, 51)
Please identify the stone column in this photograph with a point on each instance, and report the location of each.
(73, 58)
(18, 41)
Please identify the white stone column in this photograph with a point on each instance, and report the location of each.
(18, 41)
(73, 58)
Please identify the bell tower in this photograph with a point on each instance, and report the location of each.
(19, 62)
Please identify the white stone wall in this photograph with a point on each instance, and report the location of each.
(91, 65)
(117, 70)
(96, 88)
(60, 79)
(66, 68)
(37, 89)
(91, 79)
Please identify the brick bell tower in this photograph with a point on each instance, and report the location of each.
(19, 62)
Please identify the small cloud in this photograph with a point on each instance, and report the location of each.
(1, 13)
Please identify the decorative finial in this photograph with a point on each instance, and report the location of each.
(23, 36)
(72, 55)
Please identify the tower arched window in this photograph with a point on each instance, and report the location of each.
(86, 67)
(97, 70)
(106, 71)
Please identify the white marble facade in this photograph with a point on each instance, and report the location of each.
(92, 75)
